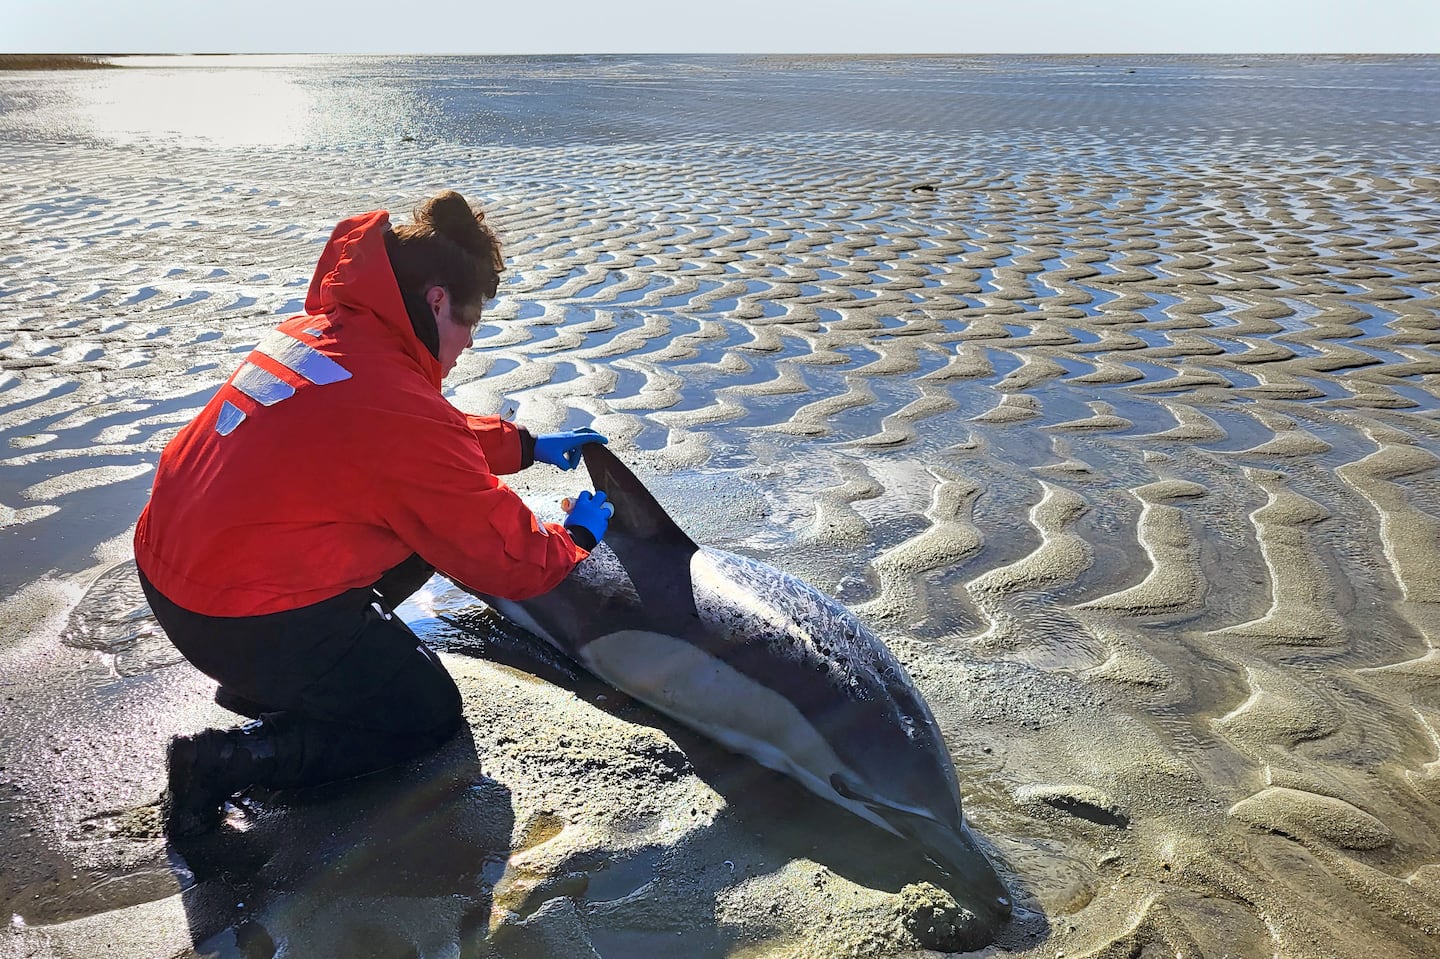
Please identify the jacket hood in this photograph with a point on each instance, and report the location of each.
(354, 273)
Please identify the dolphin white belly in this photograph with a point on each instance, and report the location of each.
(677, 678)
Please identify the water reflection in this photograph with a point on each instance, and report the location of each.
(220, 101)
(286, 101)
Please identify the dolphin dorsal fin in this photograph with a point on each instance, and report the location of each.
(637, 513)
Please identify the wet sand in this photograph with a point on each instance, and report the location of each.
(1120, 427)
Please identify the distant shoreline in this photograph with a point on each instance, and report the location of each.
(52, 61)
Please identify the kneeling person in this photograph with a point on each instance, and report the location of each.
(321, 486)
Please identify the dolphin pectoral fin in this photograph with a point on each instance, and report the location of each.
(846, 790)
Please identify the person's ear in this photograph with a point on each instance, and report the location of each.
(435, 296)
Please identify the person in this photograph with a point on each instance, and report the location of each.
(323, 483)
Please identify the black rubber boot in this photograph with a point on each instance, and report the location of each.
(208, 768)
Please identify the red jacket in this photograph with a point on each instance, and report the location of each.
(331, 455)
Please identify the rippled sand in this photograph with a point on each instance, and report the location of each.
(1121, 429)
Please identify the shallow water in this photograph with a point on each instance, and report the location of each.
(1104, 388)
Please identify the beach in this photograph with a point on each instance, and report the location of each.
(1105, 390)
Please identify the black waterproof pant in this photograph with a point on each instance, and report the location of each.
(342, 687)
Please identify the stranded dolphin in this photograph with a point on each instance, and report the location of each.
(765, 665)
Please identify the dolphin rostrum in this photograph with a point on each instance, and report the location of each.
(765, 665)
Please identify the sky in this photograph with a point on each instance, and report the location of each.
(726, 26)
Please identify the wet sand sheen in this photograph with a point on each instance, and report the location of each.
(1126, 444)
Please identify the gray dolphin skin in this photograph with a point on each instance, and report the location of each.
(765, 665)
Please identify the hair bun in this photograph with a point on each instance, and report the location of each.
(449, 215)
(449, 244)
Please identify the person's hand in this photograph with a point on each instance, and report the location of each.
(563, 449)
(588, 519)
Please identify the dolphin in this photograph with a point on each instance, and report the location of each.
(765, 665)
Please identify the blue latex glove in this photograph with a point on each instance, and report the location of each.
(563, 449)
(589, 514)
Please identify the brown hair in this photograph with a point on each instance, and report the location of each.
(449, 244)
